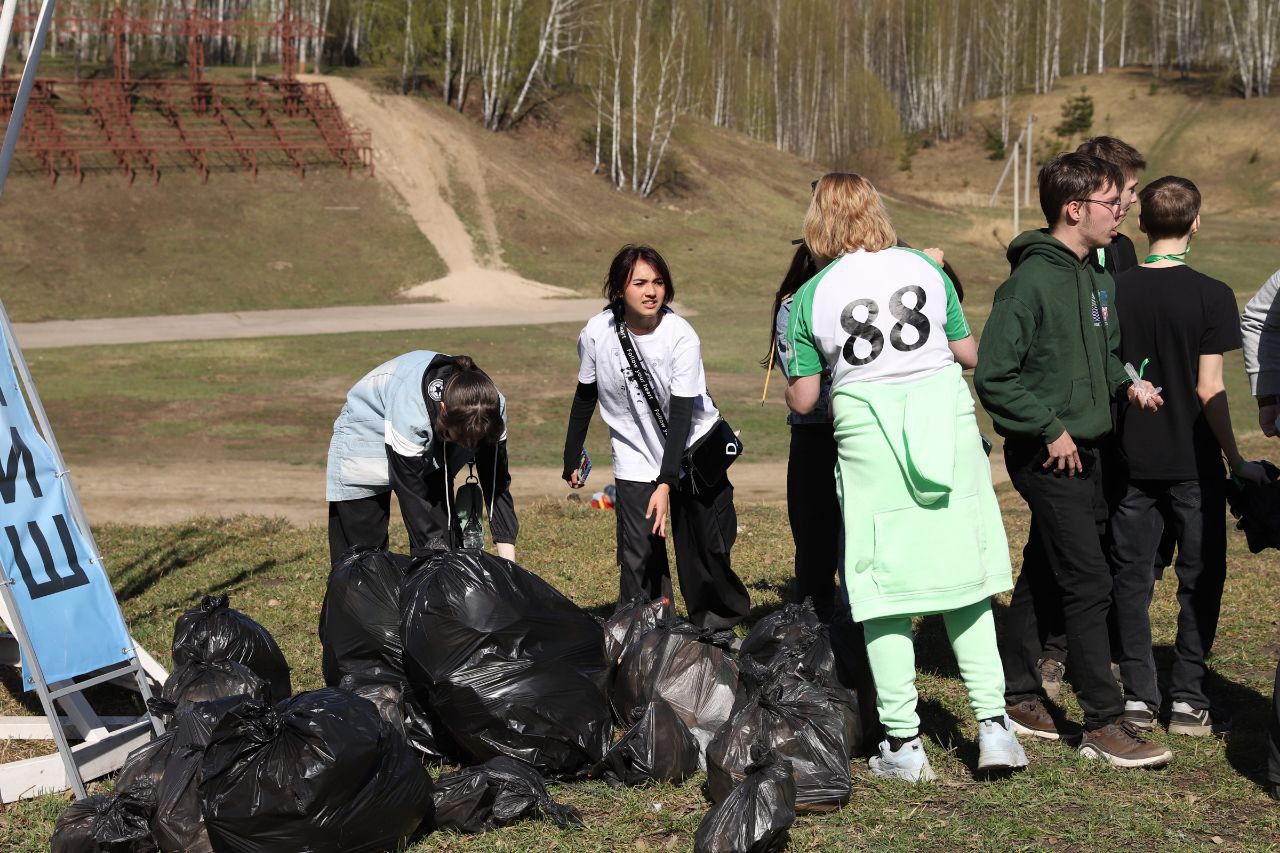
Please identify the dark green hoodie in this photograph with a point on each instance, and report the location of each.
(1047, 361)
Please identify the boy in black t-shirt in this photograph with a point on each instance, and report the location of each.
(1175, 324)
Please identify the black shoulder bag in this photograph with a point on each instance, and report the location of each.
(707, 460)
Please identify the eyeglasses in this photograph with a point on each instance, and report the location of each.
(1115, 206)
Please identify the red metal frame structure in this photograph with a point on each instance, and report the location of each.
(148, 125)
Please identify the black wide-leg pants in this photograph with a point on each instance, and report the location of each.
(704, 527)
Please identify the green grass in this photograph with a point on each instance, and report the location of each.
(276, 574)
(108, 249)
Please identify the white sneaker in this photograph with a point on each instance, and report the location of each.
(998, 747)
(909, 763)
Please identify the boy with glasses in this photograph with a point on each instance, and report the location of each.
(1047, 373)
(1116, 257)
(1175, 323)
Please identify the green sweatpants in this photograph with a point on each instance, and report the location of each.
(892, 653)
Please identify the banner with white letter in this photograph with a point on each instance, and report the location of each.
(63, 596)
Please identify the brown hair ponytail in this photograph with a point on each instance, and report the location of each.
(471, 409)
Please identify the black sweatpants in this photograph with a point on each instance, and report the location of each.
(362, 521)
(1197, 510)
(1064, 546)
(704, 527)
(814, 512)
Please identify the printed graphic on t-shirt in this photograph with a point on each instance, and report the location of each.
(875, 317)
(672, 357)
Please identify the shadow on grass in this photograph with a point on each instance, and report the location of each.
(181, 547)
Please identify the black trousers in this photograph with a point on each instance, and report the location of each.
(1197, 511)
(363, 521)
(1063, 568)
(704, 527)
(1273, 742)
(814, 512)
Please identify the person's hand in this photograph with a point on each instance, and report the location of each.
(658, 507)
(1267, 419)
(573, 479)
(935, 254)
(506, 550)
(1064, 458)
(1146, 396)
(1250, 472)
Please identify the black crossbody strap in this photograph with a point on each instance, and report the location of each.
(638, 371)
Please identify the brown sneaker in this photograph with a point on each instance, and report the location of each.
(1051, 672)
(1121, 745)
(1032, 718)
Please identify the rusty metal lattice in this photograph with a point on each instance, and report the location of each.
(149, 126)
(145, 126)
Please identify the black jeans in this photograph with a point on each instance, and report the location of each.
(1196, 511)
(814, 513)
(704, 527)
(1063, 569)
(362, 521)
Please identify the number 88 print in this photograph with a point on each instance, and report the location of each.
(866, 331)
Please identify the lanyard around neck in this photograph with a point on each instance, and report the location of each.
(1176, 257)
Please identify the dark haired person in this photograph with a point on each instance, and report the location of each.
(409, 426)
(812, 507)
(646, 463)
(1178, 323)
(1047, 373)
(1119, 254)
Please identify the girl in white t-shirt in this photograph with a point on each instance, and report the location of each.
(646, 463)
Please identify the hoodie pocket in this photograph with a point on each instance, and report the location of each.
(1078, 395)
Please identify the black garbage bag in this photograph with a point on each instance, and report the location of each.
(319, 772)
(508, 665)
(385, 694)
(143, 768)
(177, 822)
(104, 823)
(631, 620)
(757, 815)
(806, 722)
(494, 794)
(423, 728)
(213, 631)
(1258, 509)
(658, 748)
(199, 680)
(691, 668)
(791, 636)
(360, 617)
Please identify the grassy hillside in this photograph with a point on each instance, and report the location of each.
(110, 249)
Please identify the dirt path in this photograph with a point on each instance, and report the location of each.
(171, 493)
(424, 156)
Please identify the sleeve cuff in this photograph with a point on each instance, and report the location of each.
(1054, 431)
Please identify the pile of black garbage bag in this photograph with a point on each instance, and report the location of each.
(468, 659)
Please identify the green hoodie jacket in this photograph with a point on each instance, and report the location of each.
(1047, 362)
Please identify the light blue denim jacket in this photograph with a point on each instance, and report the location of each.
(821, 413)
(384, 409)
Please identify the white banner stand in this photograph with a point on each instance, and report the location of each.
(104, 741)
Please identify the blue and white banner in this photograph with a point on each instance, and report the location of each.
(63, 596)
